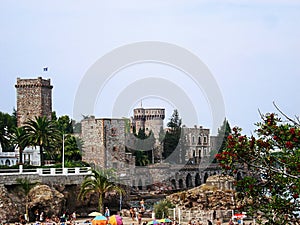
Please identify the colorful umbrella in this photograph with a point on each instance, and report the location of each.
(166, 220)
(99, 220)
(239, 215)
(95, 214)
(115, 220)
(153, 222)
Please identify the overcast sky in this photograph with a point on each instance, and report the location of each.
(251, 48)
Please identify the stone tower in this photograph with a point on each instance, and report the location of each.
(151, 119)
(34, 98)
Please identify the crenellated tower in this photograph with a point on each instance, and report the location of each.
(34, 98)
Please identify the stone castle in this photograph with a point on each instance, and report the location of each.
(105, 140)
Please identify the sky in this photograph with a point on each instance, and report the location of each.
(251, 48)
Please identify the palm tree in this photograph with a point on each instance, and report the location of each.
(100, 182)
(19, 139)
(42, 132)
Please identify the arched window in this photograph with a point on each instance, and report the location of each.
(188, 181)
(199, 140)
(193, 140)
(197, 180)
(205, 139)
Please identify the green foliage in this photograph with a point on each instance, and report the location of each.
(161, 209)
(221, 139)
(141, 146)
(42, 132)
(100, 182)
(271, 160)
(18, 138)
(7, 125)
(172, 137)
(64, 124)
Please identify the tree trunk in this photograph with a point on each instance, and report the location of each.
(21, 155)
(100, 203)
(41, 155)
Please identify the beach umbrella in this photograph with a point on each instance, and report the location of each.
(239, 215)
(95, 214)
(115, 220)
(153, 222)
(166, 220)
(99, 220)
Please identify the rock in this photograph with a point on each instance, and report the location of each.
(46, 199)
(210, 196)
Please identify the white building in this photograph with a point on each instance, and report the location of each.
(31, 156)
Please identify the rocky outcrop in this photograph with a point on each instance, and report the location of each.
(46, 199)
(8, 208)
(205, 197)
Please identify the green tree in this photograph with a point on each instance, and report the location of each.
(19, 138)
(161, 209)
(270, 161)
(100, 182)
(141, 146)
(7, 125)
(172, 137)
(73, 147)
(65, 124)
(42, 132)
(221, 139)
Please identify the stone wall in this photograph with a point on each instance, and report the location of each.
(104, 144)
(34, 98)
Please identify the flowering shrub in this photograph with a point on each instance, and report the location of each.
(270, 166)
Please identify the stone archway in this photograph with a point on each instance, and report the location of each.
(180, 183)
(205, 177)
(173, 182)
(7, 162)
(197, 180)
(188, 181)
(140, 185)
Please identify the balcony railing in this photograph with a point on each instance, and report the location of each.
(47, 171)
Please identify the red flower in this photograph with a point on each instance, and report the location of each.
(289, 145)
(276, 138)
(296, 195)
(292, 130)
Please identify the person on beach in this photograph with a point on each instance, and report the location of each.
(131, 211)
(142, 203)
(209, 222)
(107, 212)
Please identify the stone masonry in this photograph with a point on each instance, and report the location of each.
(34, 98)
(197, 143)
(104, 144)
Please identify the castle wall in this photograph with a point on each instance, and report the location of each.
(104, 143)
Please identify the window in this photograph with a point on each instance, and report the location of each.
(205, 139)
(193, 139)
(113, 131)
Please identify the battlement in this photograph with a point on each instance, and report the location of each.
(149, 114)
(39, 82)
